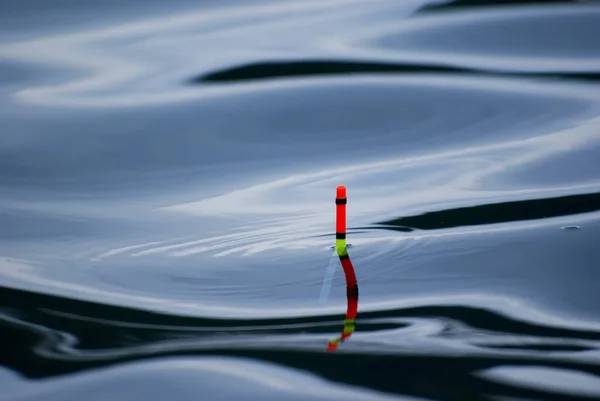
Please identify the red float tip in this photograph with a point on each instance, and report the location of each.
(341, 192)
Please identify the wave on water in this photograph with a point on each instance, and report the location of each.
(59, 336)
(167, 207)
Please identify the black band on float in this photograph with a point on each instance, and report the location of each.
(352, 291)
(341, 201)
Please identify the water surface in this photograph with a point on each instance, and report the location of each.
(167, 212)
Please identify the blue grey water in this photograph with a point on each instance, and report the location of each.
(167, 184)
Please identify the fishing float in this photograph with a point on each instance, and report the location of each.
(340, 219)
(351, 283)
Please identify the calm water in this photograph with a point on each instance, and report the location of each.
(167, 182)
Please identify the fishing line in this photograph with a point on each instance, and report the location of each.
(329, 276)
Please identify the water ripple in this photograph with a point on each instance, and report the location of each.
(167, 208)
(466, 340)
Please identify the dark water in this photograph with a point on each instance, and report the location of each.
(167, 181)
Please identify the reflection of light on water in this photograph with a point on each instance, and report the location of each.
(425, 39)
(292, 213)
(121, 63)
(546, 379)
(142, 63)
(183, 378)
(449, 175)
(19, 274)
(118, 251)
(448, 178)
(296, 212)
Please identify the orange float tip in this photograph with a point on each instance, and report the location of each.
(340, 192)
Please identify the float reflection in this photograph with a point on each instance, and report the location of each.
(352, 301)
